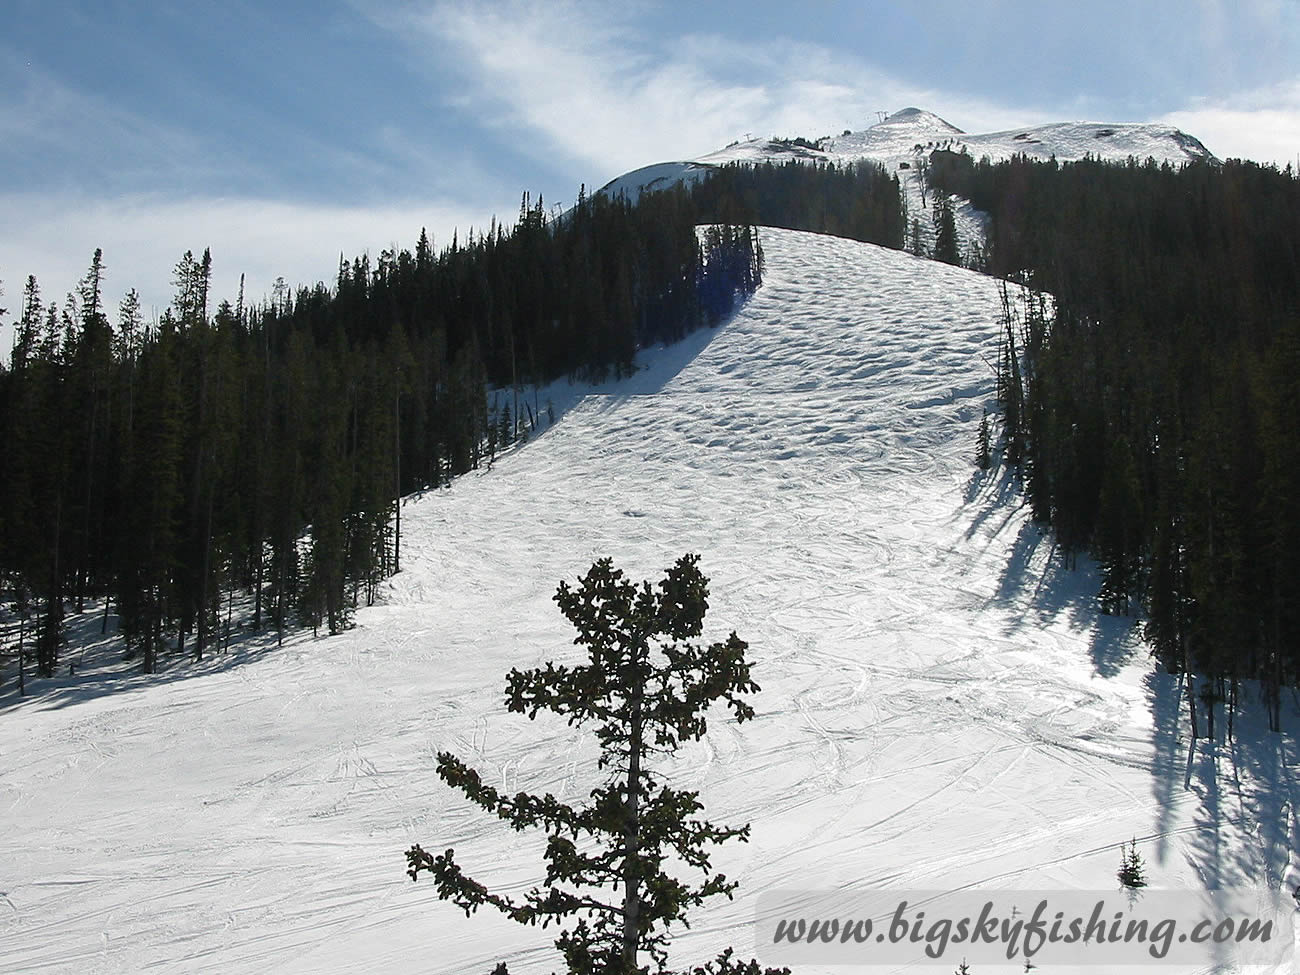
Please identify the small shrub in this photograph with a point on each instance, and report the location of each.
(1131, 869)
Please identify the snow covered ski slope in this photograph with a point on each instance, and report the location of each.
(940, 705)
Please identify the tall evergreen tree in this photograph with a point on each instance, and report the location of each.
(945, 233)
(646, 686)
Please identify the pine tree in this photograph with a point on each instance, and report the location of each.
(150, 477)
(983, 447)
(1131, 868)
(27, 339)
(646, 685)
(87, 399)
(945, 233)
(1118, 533)
(1010, 387)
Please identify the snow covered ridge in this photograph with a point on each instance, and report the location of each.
(913, 132)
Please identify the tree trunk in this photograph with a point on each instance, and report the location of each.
(153, 635)
(631, 845)
(22, 686)
(200, 640)
(230, 611)
(397, 465)
(257, 595)
(83, 555)
(1191, 705)
(47, 637)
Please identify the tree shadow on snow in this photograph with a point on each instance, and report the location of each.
(1039, 579)
(93, 666)
(1242, 826)
(655, 367)
(1227, 808)
(997, 493)
(660, 366)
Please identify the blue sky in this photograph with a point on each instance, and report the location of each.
(283, 134)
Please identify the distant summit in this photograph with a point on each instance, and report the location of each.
(902, 138)
(919, 120)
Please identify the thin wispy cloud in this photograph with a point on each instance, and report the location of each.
(575, 81)
(46, 127)
(561, 81)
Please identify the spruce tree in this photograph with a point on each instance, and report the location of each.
(646, 686)
(983, 444)
(1131, 871)
(945, 233)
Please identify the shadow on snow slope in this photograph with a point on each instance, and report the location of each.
(1047, 586)
(92, 664)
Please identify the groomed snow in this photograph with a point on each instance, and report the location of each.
(940, 705)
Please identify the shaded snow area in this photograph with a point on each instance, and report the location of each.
(941, 707)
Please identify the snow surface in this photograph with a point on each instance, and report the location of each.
(659, 176)
(941, 707)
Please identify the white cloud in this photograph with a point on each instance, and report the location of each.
(1263, 125)
(575, 82)
(571, 81)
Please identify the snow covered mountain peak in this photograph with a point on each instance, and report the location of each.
(919, 120)
(913, 132)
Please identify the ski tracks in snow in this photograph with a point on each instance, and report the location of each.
(930, 711)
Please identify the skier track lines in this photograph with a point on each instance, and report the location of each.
(929, 705)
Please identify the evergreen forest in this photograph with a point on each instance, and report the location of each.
(257, 452)
(1149, 403)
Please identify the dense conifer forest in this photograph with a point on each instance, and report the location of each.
(1150, 403)
(259, 451)
(859, 201)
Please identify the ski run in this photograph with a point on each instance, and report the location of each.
(941, 708)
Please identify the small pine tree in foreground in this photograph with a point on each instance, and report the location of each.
(1131, 869)
(645, 686)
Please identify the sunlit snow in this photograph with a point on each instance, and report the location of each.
(941, 707)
